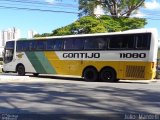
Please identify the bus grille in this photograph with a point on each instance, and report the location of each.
(135, 71)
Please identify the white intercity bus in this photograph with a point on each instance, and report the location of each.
(124, 55)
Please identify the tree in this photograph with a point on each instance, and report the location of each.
(62, 31)
(86, 7)
(85, 25)
(43, 35)
(121, 24)
(115, 8)
(90, 24)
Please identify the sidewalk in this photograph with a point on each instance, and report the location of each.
(13, 77)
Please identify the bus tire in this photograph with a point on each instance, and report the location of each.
(90, 74)
(108, 74)
(21, 70)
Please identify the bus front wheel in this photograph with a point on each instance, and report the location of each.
(20, 70)
(90, 74)
(107, 75)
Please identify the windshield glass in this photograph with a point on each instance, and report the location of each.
(8, 52)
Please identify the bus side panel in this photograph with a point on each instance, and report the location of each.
(124, 69)
(40, 62)
(22, 58)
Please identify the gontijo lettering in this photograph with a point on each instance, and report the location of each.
(81, 55)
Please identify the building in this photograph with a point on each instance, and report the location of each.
(8, 34)
(31, 33)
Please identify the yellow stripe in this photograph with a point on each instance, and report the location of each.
(59, 65)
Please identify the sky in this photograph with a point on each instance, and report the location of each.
(44, 16)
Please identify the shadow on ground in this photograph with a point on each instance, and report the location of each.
(65, 100)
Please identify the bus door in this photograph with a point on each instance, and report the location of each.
(8, 56)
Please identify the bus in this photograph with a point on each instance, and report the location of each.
(128, 55)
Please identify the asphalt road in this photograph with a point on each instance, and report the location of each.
(66, 98)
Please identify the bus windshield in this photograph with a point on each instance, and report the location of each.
(8, 52)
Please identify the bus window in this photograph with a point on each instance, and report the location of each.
(10, 45)
(22, 46)
(25, 46)
(50, 44)
(101, 43)
(72, 44)
(78, 44)
(8, 56)
(95, 43)
(58, 44)
(19, 46)
(32, 45)
(121, 42)
(41, 45)
(54, 44)
(142, 41)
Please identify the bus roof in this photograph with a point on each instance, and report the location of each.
(133, 31)
(144, 30)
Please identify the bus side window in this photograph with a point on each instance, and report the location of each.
(19, 46)
(58, 45)
(121, 42)
(115, 42)
(25, 46)
(68, 44)
(101, 43)
(41, 45)
(77, 44)
(32, 45)
(54, 44)
(91, 44)
(50, 44)
(22, 46)
(142, 41)
(73, 44)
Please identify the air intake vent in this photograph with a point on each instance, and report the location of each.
(135, 71)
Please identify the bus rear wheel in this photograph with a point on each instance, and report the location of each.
(107, 75)
(90, 74)
(21, 70)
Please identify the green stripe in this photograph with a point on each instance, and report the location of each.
(45, 63)
(35, 62)
(40, 62)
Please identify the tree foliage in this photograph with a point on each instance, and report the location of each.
(115, 8)
(121, 23)
(43, 35)
(85, 25)
(90, 24)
